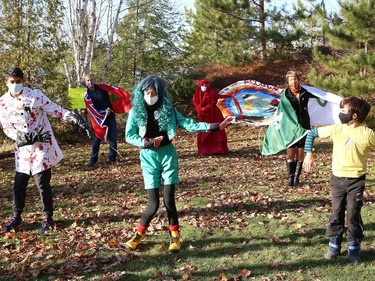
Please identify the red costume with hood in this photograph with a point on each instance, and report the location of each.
(205, 104)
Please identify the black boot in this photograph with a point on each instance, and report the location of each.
(291, 167)
(298, 173)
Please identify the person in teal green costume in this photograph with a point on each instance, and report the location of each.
(152, 124)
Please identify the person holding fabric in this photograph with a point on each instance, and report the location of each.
(298, 98)
(151, 126)
(101, 109)
(23, 116)
(352, 141)
(204, 100)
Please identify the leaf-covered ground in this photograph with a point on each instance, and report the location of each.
(238, 219)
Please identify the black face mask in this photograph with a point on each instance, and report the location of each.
(345, 117)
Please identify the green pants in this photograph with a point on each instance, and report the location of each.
(159, 166)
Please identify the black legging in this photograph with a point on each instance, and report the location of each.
(153, 205)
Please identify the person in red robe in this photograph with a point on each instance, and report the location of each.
(204, 101)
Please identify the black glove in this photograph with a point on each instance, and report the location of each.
(76, 119)
(30, 138)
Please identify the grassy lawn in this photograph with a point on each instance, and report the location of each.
(238, 219)
(76, 97)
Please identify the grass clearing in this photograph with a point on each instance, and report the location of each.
(238, 219)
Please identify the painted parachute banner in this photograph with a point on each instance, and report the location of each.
(250, 101)
(255, 103)
(258, 104)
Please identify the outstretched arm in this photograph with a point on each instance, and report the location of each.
(309, 159)
(227, 121)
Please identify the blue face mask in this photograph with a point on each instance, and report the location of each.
(345, 117)
(15, 88)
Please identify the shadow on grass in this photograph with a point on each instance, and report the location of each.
(227, 251)
(237, 248)
(248, 151)
(7, 162)
(276, 205)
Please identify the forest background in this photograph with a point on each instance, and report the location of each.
(57, 43)
(239, 221)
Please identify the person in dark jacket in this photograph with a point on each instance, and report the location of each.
(101, 102)
(298, 98)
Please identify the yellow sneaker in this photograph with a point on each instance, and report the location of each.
(175, 243)
(133, 243)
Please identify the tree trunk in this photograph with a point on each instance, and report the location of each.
(262, 28)
(112, 23)
(135, 40)
(83, 28)
(90, 40)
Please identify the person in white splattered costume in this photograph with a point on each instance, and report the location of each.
(23, 116)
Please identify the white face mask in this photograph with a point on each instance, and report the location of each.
(15, 88)
(151, 100)
(203, 88)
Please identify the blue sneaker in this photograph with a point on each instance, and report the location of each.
(15, 224)
(47, 225)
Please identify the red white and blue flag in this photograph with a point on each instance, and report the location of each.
(121, 103)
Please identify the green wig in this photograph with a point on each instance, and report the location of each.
(165, 104)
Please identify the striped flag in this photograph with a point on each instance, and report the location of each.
(121, 103)
(97, 118)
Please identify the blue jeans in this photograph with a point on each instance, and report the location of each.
(112, 140)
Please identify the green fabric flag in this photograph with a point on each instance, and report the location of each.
(284, 129)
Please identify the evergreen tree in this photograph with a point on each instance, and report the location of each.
(222, 32)
(282, 33)
(148, 42)
(351, 66)
(307, 21)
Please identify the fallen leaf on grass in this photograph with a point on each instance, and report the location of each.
(278, 241)
(297, 226)
(222, 277)
(245, 272)
(274, 265)
(159, 246)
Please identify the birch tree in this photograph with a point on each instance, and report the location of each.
(83, 22)
(112, 22)
(86, 20)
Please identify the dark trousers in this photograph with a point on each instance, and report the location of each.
(347, 194)
(42, 181)
(153, 205)
(112, 140)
